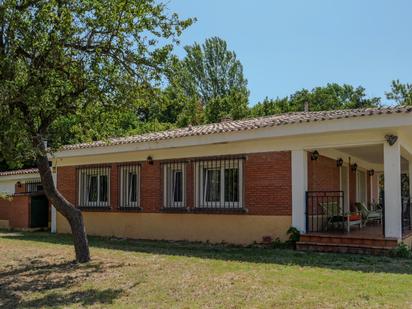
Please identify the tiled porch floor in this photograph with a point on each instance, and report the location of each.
(371, 230)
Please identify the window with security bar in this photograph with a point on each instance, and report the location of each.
(219, 184)
(129, 191)
(33, 185)
(174, 185)
(94, 186)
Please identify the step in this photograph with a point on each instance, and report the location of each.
(342, 248)
(342, 240)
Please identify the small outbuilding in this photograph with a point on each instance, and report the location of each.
(23, 204)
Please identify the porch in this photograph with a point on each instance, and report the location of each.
(356, 198)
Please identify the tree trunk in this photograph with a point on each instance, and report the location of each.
(72, 214)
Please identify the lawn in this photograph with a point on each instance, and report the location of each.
(36, 270)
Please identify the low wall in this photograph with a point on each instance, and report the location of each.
(235, 229)
(15, 213)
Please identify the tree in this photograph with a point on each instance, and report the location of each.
(211, 75)
(59, 58)
(400, 93)
(330, 97)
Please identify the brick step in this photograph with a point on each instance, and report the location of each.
(342, 248)
(342, 240)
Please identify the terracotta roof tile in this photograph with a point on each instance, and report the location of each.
(20, 172)
(241, 125)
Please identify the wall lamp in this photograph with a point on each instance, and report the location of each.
(314, 156)
(150, 160)
(19, 184)
(354, 167)
(339, 162)
(371, 173)
(391, 139)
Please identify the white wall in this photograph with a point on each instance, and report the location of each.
(7, 187)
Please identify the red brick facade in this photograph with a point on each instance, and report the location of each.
(323, 174)
(16, 211)
(267, 184)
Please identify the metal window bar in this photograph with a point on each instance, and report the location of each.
(219, 183)
(129, 186)
(406, 215)
(32, 186)
(325, 211)
(174, 184)
(93, 186)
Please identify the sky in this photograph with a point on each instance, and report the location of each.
(288, 45)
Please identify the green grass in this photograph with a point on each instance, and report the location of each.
(36, 270)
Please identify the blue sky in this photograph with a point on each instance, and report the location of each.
(288, 45)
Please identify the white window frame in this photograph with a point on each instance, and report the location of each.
(170, 168)
(83, 173)
(129, 203)
(220, 165)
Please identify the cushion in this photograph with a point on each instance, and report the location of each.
(355, 217)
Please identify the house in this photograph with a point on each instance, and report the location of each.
(245, 180)
(23, 206)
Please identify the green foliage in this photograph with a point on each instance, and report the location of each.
(330, 97)
(5, 196)
(294, 235)
(79, 70)
(210, 76)
(400, 93)
(401, 251)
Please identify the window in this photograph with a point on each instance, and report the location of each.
(94, 184)
(34, 186)
(174, 180)
(219, 184)
(129, 186)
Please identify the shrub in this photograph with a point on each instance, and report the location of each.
(401, 251)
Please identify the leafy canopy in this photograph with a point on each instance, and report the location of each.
(400, 93)
(330, 97)
(61, 59)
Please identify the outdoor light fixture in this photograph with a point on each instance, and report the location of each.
(19, 184)
(150, 160)
(339, 162)
(315, 155)
(371, 173)
(391, 139)
(354, 167)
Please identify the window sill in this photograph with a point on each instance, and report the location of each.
(94, 208)
(130, 209)
(174, 209)
(218, 210)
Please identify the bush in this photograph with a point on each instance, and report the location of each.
(401, 251)
(294, 236)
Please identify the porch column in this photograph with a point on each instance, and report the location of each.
(410, 178)
(393, 202)
(299, 188)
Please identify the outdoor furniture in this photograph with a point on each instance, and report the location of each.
(335, 216)
(369, 215)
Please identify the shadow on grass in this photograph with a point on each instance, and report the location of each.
(253, 254)
(38, 275)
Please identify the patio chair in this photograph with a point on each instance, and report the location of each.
(335, 215)
(369, 215)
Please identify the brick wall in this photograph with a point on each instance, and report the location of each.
(268, 184)
(16, 211)
(267, 179)
(4, 209)
(323, 174)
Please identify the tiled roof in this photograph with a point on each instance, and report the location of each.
(20, 172)
(242, 125)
